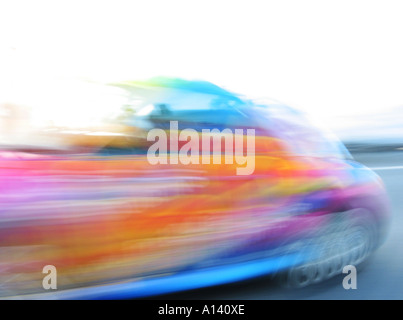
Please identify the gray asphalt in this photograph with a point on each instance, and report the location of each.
(381, 277)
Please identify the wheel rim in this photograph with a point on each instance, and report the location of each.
(349, 243)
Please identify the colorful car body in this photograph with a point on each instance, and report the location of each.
(116, 226)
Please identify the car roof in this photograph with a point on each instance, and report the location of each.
(196, 86)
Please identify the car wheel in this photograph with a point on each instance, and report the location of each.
(349, 239)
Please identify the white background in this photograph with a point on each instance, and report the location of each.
(332, 58)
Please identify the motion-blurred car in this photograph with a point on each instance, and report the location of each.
(116, 226)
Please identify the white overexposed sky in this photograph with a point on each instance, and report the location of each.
(332, 58)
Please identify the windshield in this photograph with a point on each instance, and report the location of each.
(302, 135)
